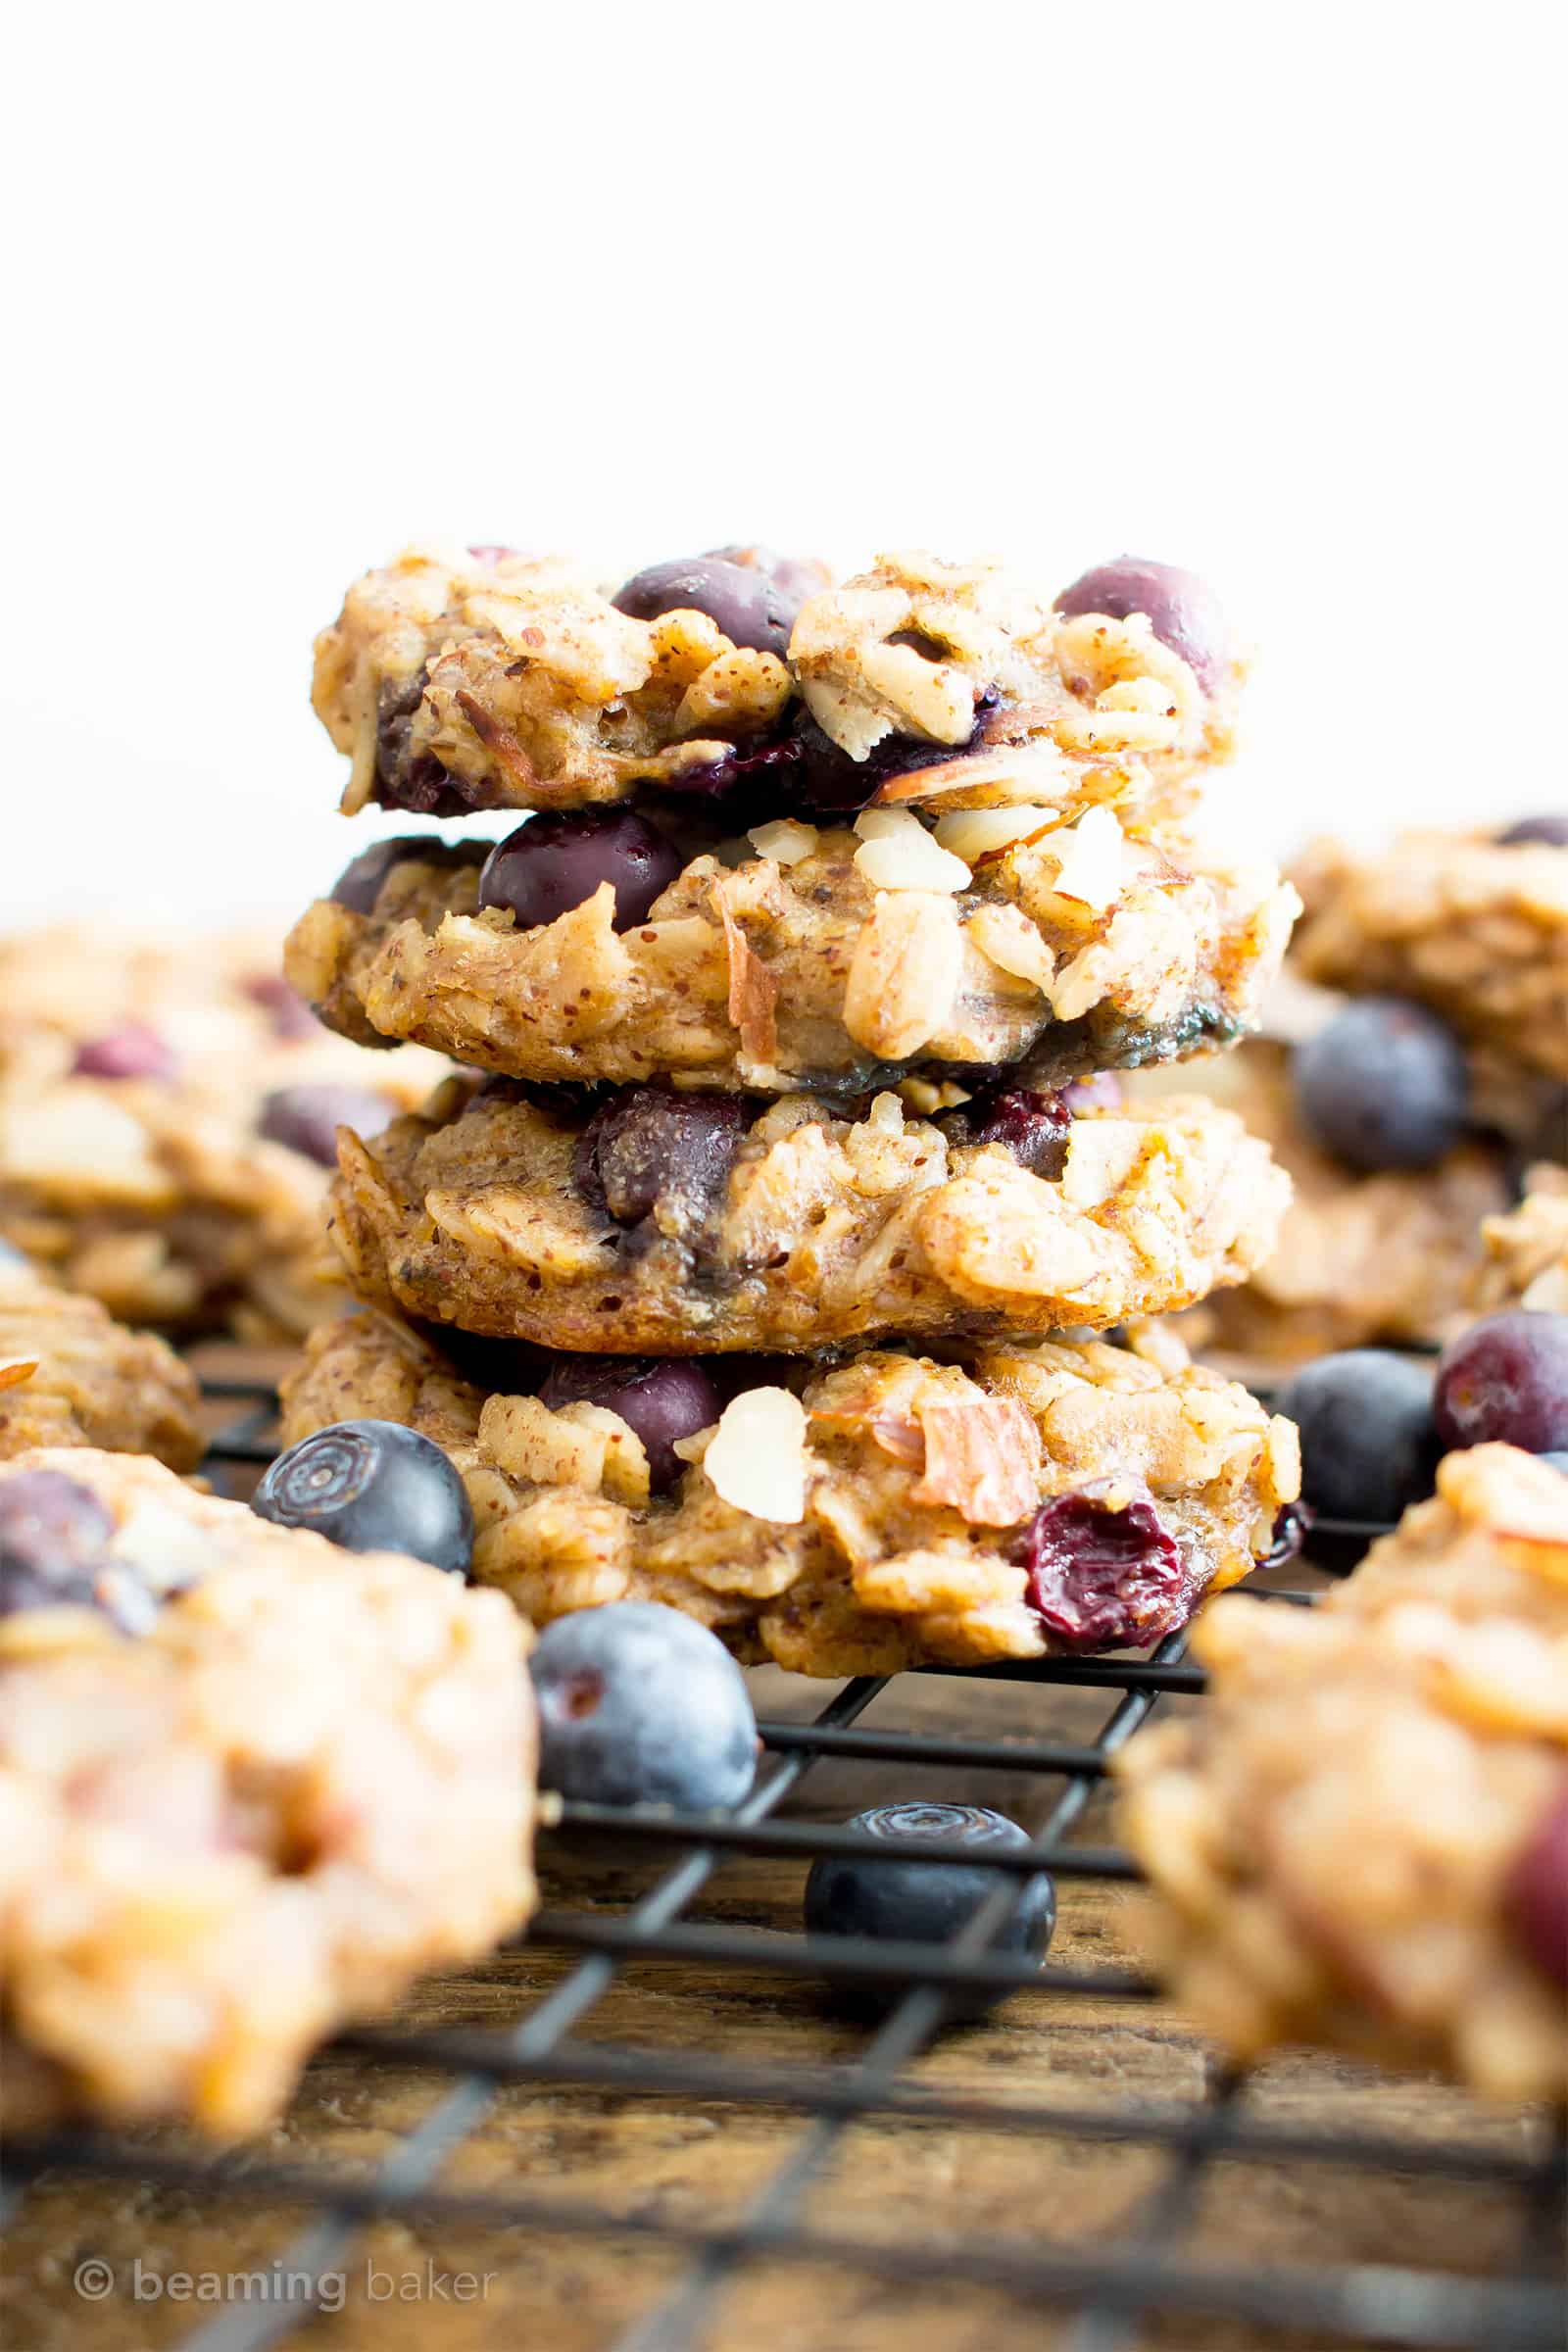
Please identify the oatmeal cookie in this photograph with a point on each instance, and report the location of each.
(1359, 1839)
(1527, 1249)
(888, 1512)
(465, 679)
(1394, 1257)
(251, 1786)
(166, 1115)
(71, 1375)
(686, 1223)
(1474, 926)
(823, 958)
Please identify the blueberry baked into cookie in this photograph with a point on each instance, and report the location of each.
(251, 1784)
(166, 1111)
(790, 1014)
(1361, 1838)
(885, 1511)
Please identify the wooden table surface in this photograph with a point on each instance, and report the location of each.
(703, 2160)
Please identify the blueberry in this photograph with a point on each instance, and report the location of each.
(372, 1486)
(806, 771)
(1506, 1379)
(291, 1017)
(307, 1118)
(660, 1399)
(1559, 1461)
(753, 606)
(132, 1050)
(909, 1899)
(54, 1535)
(1034, 1127)
(1368, 1446)
(1384, 1085)
(554, 862)
(1103, 1571)
(1182, 609)
(1552, 830)
(645, 1144)
(1536, 1892)
(407, 778)
(359, 885)
(639, 1706)
(796, 577)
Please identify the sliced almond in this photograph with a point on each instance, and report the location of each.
(752, 989)
(905, 973)
(1007, 938)
(896, 852)
(982, 1456)
(757, 1460)
(1090, 868)
(785, 840)
(976, 833)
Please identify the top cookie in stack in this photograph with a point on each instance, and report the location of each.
(792, 1013)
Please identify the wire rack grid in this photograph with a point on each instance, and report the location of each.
(1101, 2294)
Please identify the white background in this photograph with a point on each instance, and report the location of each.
(1276, 293)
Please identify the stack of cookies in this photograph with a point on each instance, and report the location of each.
(757, 1261)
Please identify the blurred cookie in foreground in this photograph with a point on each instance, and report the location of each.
(885, 1512)
(1527, 1249)
(1360, 1838)
(71, 1375)
(168, 1114)
(251, 1786)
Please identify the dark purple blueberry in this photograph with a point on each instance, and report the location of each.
(407, 777)
(911, 1899)
(1505, 1380)
(1103, 1574)
(753, 606)
(307, 1118)
(1102, 1092)
(1384, 1085)
(796, 577)
(1536, 1892)
(1552, 830)
(646, 1143)
(554, 862)
(1181, 609)
(1368, 1446)
(372, 1486)
(1034, 1127)
(359, 885)
(662, 1399)
(292, 1018)
(53, 1538)
(132, 1050)
(640, 1705)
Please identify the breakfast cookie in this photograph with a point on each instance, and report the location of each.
(1473, 924)
(167, 1114)
(1527, 1249)
(480, 678)
(1360, 1838)
(595, 948)
(883, 1513)
(688, 1223)
(251, 1786)
(71, 1375)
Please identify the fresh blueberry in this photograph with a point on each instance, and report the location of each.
(554, 862)
(910, 1900)
(1552, 830)
(1105, 1571)
(1384, 1085)
(753, 606)
(1368, 1446)
(1506, 1380)
(307, 1118)
(796, 577)
(645, 1144)
(132, 1050)
(1034, 1127)
(372, 1486)
(52, 1537)
(639, 1706)
(805, 772)
(359, 885)
(1536, 1892)
(1181, 609)
(291, 1017)
(662, 1399)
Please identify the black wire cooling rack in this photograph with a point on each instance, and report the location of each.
(1100, 2296)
